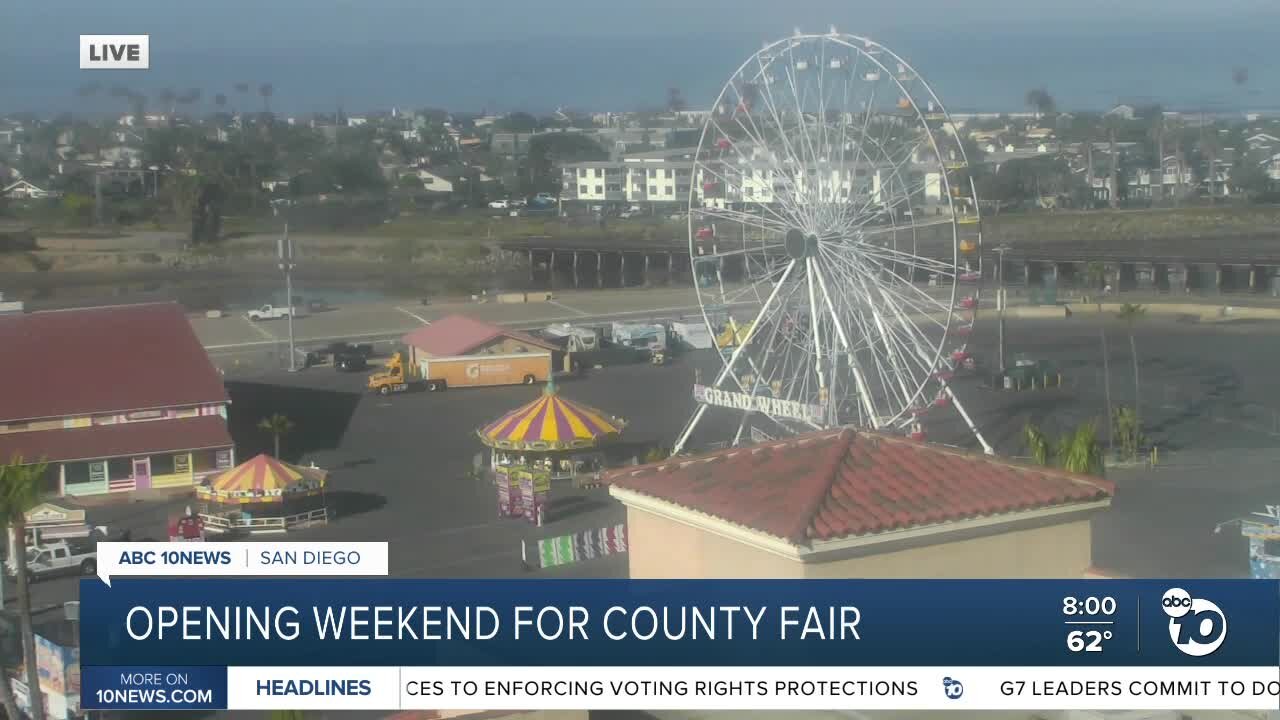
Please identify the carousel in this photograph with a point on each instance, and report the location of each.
(546, 440)
(263, 495)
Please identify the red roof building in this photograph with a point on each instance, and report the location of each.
(116, 398)
(845, 503)
(458, 351)
(459, 335)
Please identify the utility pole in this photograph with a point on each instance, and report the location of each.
(1106, 384)
(285, 252)
(1000, 301)
(97, 198)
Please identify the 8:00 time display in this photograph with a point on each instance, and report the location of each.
(1089, 606)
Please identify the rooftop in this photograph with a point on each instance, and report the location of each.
(843, 484)
(455, 335)
(102, 360)
(120, 440)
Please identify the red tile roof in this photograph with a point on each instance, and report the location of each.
(121, 440)
(98, 360)
(831, 485)
(455, 335)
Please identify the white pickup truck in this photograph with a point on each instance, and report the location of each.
(62, 557)
(272, 312)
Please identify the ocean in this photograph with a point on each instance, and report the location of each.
(988, 70)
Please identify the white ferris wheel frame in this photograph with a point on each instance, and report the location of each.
(914, 360)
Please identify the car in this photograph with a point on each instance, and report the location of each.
(318, 305)
(499, 204)
(334, 349)
(350, 362)
(628, 214)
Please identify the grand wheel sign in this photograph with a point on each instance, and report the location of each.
(773, 407)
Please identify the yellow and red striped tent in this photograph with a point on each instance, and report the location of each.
(262, 479)
(551, 423)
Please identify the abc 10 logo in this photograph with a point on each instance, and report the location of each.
(1197, 626)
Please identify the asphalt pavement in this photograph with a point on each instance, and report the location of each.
(400, 465)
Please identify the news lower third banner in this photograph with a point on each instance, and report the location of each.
(733, 645)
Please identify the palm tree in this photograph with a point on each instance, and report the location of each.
(1112, 125)
(167, 99)
(1042, 101)
(266, 91)
(19, 492)
(1080, 452)
(1038, 444)
(1131, 314)
(277, 425)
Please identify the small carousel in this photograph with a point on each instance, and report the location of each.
(263, 495)
(546, 440)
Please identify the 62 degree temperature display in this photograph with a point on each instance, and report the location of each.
(1088, 621)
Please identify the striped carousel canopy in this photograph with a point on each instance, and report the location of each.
(263, 478)
(551, 423)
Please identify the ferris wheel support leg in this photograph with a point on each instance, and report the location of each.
(733, 359)
(955, 401)
(688, 430)
(742, 424)
(864, 394)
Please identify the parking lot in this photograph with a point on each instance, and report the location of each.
(400, 465)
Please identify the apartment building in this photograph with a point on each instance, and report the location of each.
(668, 177)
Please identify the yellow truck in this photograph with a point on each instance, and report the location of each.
(394, 378)
(466, 371)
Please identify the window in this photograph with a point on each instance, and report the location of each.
(614, 188)
(162, 465)
(76, 473)
(119, 468)
(653, 173)
(667, 173)
(222, 459)
(582, 172)
(669, 190)
(582, 189)
(182, 463)
(599, 189)
(748, 191)
(598, 172)
(18, 426)
(653, 189)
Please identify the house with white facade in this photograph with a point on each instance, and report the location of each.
(24, 190)
(122, 156)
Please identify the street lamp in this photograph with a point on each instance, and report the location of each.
(284, 251)
(1001, 300)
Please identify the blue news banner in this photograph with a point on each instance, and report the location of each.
(168, 643)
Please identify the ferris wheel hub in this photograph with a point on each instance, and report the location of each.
(800, 245)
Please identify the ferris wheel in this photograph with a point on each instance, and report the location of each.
(835, 241)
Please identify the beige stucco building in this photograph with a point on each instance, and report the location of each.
(847, 504)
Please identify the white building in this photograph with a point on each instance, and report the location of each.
(664, 177)
(23, 190)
